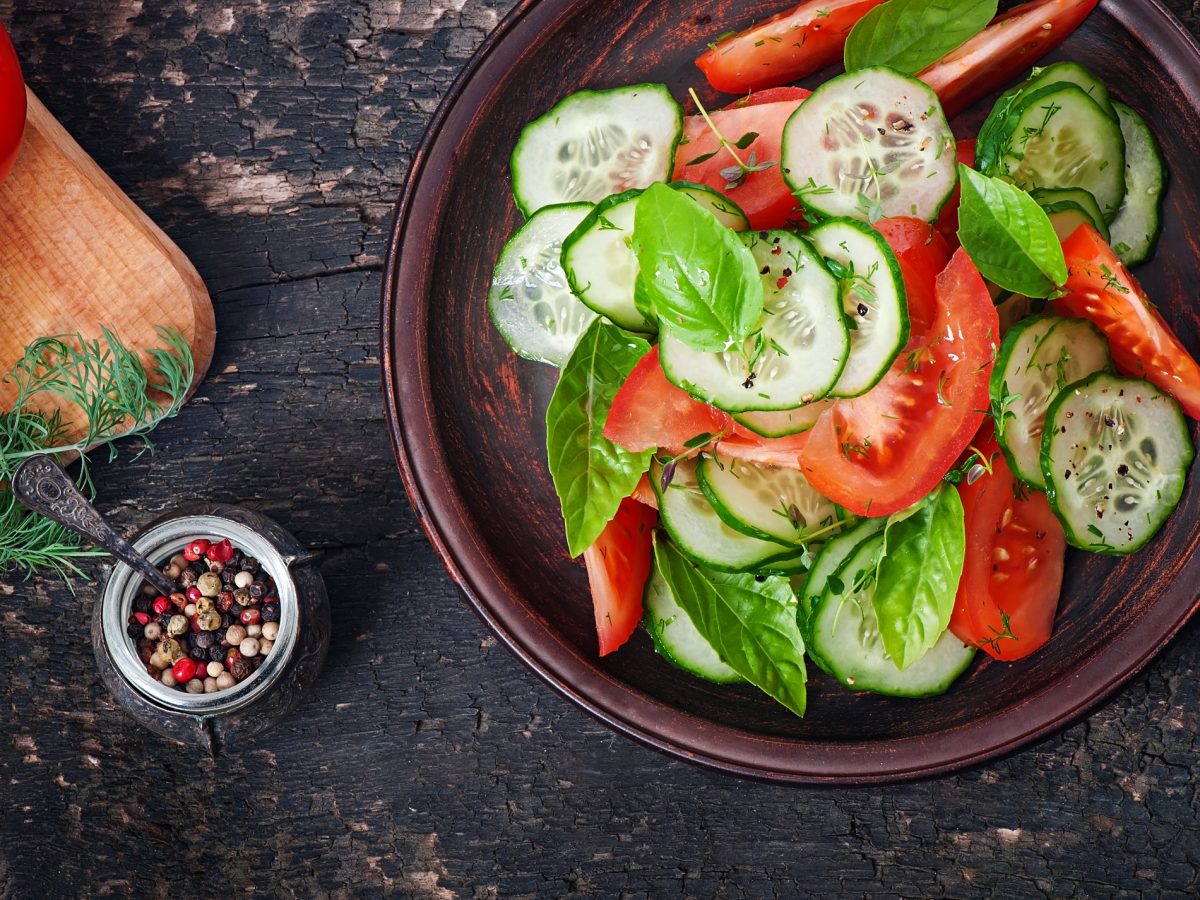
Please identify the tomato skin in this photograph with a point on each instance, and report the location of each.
(763, 196)
(650, 413)
(783, 48)
(771, 95)
(922, 253)
(747, 446)
(1099, 288)
(12, 104)
(887, 449)
(618, 565)
(947, 222)
(1004, 51)
(1014, 563)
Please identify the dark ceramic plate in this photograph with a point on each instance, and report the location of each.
(467, 420)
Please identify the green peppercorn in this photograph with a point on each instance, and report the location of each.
(204, 605)
(177, 626)
(209, 584)
(209, 621)
(172, 649)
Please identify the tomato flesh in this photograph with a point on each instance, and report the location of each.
(1004, 51)
(1099, 288)
(783, 48)
(884, 451)
(12, 104)
(763, 196)
(1012, 575)
(771, 95)
(947, 223)
(922, 253)
(783, 452)
(618, 565)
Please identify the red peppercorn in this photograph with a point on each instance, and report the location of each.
(196, 549)
(220, 552)
(161, 605)
(225, 601)
(195, 620)
(250, 616)
(143, 618)
(184, 670)
(179, 600)
(232, 655)
(193, 594)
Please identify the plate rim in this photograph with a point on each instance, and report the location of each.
(580, 680)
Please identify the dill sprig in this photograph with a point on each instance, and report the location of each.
(114, 395)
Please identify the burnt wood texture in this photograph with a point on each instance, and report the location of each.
(270, 140)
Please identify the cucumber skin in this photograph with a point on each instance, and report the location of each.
(1134, 259)
(1049, 468)
(682, 185)
(725, 515)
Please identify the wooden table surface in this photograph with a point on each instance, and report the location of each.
(270, 138)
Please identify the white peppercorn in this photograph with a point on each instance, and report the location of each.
(195, 686)
(225, 681)
(235, 634)
(249, 647)
(215, 669)
(153, 631)
(210, 686)
(254, 630)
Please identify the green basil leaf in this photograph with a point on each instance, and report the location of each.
(1008, 236)
(910, 35)
(751, 625)
(699, 276)
(591, 474)
(918, 574)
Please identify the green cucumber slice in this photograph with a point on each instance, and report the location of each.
(845, 634)
(675, 637)
(530, 301)
(1115, 456)
(1070, 73)
(870, 144)
(873, 299)
(1068, 208)
(727, 212)
(784, 422)
(1136, 228)
(1037, 359)
(765, 502)
(803, 346)
(594, 144)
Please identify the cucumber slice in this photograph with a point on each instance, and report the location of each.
(831, 558)
(1059, 137)
(677, 639)
(1070, 73)
(530, 301)
(1136, 228)
(869, 144)
(765, 502)
(784, 422)
(845, 634)
(594, 144)
(1069, 208)
(1037, 359)
(1115, 456)
(803, 346)
(601, 266)
(873, 299)
(698, 531)
(727, 212)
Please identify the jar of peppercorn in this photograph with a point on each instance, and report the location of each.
(255, 690)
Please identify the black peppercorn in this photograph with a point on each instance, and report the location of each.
(205, 639)
(270, 612)
(241, 669)
(198, 653)
(143, 603)
(227, 575)
(258, 590)
(250, 564)
(135, 630)
(216, 653)
(227, 620)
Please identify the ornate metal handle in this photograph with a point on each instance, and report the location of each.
(41, 484)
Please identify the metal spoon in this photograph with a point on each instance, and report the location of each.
(41, 484)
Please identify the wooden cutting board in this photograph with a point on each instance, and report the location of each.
(77, 254)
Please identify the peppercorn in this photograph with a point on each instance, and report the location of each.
(209, 584)
(193, 594)
(241, 669)
(227, 577)
(264, 647)
(232, 654)
(250, 564)
(250, 616)
(241, 597)
(225, 681)
(227, 619)
(179, 601)
(235, 634)
(189, 610)
(225, 601)
(249, 647)
(243, 579)
(196, 549)
(161, 605)
(199, 654)
(208, 621)
(142, 603)
(171, 649)
(270, 612)
(145, 650)
(177, 626)
(153, 631)
(253, 630)
(216, 568)
(270, 630)
(188, 577)
(195, 686)
(179, 561)
(204, 605)
(168, 678)
(258, 590)
(135, 631)
(184, 670)
(217, 653)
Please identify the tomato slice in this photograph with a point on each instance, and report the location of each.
(783, 48)
(650, 413)
(947, 223)
(1012, 575)
(884, 451)
(771, 95)
(644, 493)
(1100, 288)
(12, 104)
(922, 253)
(763, 196)
(618, 565)
(749, 447)
(1003, 51)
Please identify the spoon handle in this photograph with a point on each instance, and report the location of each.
(41, 484)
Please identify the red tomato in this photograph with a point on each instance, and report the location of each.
(771, 95)
(887, 449)
(1006, 49)
(749, 447)
(947, 222)
(12, 104)
(922, 253)
(783, 48)
(649, 412)
(1013, 572)
(618, 565)
(644, 493)
(763, 196)
(1101, 289)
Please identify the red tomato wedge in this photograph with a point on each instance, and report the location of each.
(1005, 50)
(1012, 576)
(771, 95)
(644, 493)
(922, 253)
(1100, 288)
(884, 451)
(618, 565)
(650, 413)
(783, 48)
(763, 196)
(749, 447)
(947, 222)
(12, 104)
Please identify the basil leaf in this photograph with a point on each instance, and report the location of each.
(918, 574)
(591, 474)
(751, 625)
(698, 275)
(1008, 236)
(910, 35)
